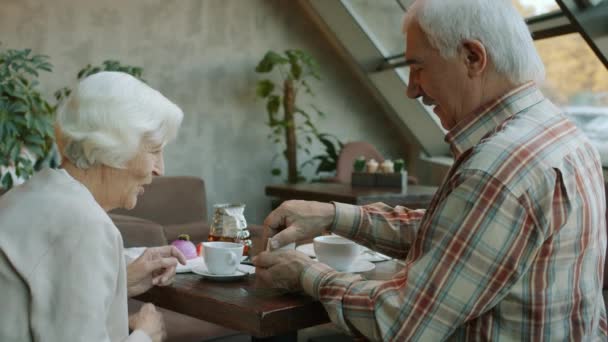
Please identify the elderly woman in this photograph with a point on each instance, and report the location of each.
(62, 268)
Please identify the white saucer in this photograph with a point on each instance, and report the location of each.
(242, 272)
(366, 253)
(192, 263)
(307, 249)
(359, 266)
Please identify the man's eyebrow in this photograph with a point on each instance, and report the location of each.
(411, 61)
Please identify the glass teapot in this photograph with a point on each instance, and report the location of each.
(229, 224)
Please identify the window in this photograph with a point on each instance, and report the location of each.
(370, 31)
(532, 8)
(578, 82)
(382, 21)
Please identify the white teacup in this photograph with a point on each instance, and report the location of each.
(222, 258)
(336, 251)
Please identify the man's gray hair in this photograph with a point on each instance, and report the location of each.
(495, 23)
(109, 117)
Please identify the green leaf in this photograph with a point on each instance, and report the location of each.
(296, 69)
(319, 112)
(83, 71)
(325, 166)
(7, 181)
(36, 150)
(15, 150)
(307, 88)
(264, 88)
(34, 139)
(46, 67)
(329, 146)
(270, 60)
(274, 102)
(276, 172)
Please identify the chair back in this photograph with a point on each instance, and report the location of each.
(171, 200)
(349, 153)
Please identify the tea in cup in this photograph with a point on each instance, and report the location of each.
(222, 258)
(335, 251)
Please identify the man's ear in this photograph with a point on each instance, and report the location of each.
(474, 56)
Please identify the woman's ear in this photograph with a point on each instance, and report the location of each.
(59, 141)
(475, 57)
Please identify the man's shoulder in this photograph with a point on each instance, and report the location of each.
(526, 150)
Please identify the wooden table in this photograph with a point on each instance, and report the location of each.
(415, 197)
(244, 306)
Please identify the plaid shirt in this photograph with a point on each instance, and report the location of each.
(511, 248)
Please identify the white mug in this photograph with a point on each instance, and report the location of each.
(222, 258)
(336, 251)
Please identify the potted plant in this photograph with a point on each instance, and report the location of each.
(26, 118)
(286, 119)
(107, 65)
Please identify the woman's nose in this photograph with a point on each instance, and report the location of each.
(159, 167)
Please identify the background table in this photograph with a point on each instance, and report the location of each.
(415, 197)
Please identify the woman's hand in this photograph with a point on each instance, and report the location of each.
(156, 266)
(149, 321)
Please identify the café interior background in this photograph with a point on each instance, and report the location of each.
(202, 55)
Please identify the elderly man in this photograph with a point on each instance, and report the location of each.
(513, 244)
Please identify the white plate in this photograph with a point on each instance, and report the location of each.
(242, 272)
(366, 253)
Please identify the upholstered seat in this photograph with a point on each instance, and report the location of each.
(171, 206)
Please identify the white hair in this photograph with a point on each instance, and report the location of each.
(495, 23)
(110, 115)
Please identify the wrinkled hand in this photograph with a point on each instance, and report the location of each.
(156, 266)
(297, 220)
(281, 269)
(150, 321)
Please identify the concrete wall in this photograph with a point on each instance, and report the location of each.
(201, 54)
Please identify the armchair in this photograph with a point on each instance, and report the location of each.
(170, 206)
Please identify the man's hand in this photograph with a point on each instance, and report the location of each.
(281, 269)
(149, 321)
(156, 266)
(297, 220)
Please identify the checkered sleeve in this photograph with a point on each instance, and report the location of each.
(379, 226)
(488, 241)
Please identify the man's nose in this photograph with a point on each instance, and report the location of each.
(413, 91)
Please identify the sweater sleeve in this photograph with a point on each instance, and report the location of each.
(77, 280)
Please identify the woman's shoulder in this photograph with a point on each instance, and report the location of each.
(53, 203)
(50, 215)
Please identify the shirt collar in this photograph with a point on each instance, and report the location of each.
(468, 132)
